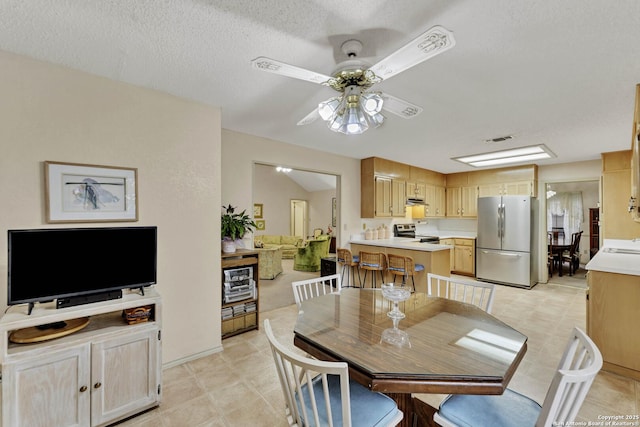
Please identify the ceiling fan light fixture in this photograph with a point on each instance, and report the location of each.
(371, 103)
(327, 109)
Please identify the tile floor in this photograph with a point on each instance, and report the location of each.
(239, 387)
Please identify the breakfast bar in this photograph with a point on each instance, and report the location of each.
(434, 257)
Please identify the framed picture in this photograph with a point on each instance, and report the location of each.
(257, 210)
(334, 212)
(90, 193)
(260, 224)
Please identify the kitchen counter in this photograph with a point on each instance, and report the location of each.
(403, 243)
(617, 256)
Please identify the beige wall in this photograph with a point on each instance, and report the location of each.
(53, 113)
(240, 152)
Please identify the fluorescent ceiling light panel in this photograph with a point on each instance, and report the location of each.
(516, 155)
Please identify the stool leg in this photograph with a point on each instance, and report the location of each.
(360, 280)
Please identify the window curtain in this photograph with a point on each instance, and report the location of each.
(568, 205)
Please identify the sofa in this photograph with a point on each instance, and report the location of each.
(270, 263)
(288, 244)
(308, 257)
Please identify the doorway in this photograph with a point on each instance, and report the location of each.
(299, 218)
(569, 208)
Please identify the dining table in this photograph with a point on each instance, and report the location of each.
(557, 245)
(441, 345)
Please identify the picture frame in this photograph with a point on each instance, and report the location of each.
(334, 212)
(260, 224)
(76, 192)
(257, 210)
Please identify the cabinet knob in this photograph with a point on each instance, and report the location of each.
(83, 389)
(97, 385)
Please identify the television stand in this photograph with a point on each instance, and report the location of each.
(48, 331)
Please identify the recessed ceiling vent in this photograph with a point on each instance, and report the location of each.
(499, 139)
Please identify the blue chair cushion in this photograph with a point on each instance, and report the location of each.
(396, 269)
(419, 267)
(368, 408)
(368, 264)
(356, 258)
(507, 409)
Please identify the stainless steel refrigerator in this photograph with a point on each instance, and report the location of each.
(504, 247)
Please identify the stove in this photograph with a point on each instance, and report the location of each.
(409, 230)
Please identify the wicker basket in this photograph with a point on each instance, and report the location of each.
(137, 314)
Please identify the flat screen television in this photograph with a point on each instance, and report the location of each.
(79, 265)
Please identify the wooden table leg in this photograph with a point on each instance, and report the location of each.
(416, 412)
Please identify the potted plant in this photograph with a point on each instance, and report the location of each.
(234, 226)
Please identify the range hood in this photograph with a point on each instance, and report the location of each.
(415, 201)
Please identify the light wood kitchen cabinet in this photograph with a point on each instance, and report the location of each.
(452, 259)
(436, 200)
(462, 202)
(416, 190)
(464, 257)
(382, 188)
(390, 197)
(612, 316)
(615, 220)
(518, 188)
(101, 374)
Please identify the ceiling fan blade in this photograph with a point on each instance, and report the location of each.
(271, 65)
(427, 45)
(309, 118)
(399, 107)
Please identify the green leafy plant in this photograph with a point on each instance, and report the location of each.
(235, 225)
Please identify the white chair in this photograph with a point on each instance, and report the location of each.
(470, 291)
(305, 289)
(577, 369)
(329, 398)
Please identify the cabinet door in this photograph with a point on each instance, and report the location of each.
(48, 390)
(439, 206)
(383, 197)
(398, 198)
(452, 258)
(125, 375)
(489, 190)
(464, 256)
(453, 201)
(519, 188)
(416, 189)
(469, 202)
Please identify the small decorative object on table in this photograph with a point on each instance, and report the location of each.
(137, 314)
(234, 226)
(395, 294)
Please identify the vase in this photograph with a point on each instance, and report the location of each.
(228, 246)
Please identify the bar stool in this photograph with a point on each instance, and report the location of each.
(404, 266)
(349, 263)
(372, 261)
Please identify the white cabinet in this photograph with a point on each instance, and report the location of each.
(51, 390)
(96, 376)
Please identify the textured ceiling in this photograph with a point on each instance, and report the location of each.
(562, 73)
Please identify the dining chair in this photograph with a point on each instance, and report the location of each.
(553, 258)
(319, 393)
(399, 265)
(578, 367)
(372, 261)
(572, 256)
(311, 288)
(349, 265)
(473, 292)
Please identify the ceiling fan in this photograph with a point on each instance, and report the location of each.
(357, 107)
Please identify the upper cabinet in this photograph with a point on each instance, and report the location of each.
(386, 185)
(383, 188)
(615, 222)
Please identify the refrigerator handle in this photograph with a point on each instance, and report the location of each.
(500, 220)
